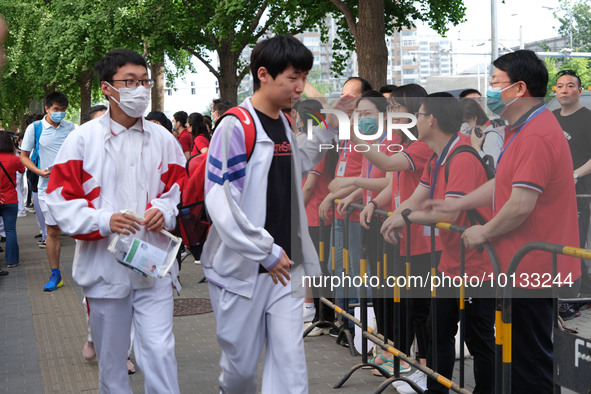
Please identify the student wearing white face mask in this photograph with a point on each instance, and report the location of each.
(46, 139)
(121, 162)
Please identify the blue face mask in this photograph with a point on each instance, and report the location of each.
(494, 102)
(368, 126)
(57, 117)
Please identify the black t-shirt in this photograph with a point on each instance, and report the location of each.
(577, 130)
(281, 197)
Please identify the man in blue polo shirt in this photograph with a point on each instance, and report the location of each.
(54, 131)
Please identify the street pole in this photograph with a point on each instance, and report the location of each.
(494, 32)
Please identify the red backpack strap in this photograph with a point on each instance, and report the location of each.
(248, 126)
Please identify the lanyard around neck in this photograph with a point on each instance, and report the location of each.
(529, 118)
(441, 157)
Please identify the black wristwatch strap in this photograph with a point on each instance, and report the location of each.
(375, 204)
(405, 214)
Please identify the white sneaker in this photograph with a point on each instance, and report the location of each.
(317, 331)
(21, 214)
(309, 312)
(418, 377)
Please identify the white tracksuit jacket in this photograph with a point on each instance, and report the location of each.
(236, 194)
(81, 198)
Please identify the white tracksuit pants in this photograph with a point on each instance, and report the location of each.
(272, 318)
(150, 311)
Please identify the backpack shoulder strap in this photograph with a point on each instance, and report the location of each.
(460, 149)
(38, 127)
(473, 216)
(248, 126)
(38, 131)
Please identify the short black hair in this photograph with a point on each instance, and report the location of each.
(55, 98)
(158, 116)
(114, 60)
(180, 116)
(376, 98)
(168, 125)
(278, 53)
(524, 65)
(446, 109)
(365, 85)
(471, 108)
(410, 96)
(572, 73)
(466, 92)
(33, 118)
(221, 105)
(91, 111)
(304, 107)
(387, 89)
(6, 142)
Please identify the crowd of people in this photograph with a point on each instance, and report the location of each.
(499, 175)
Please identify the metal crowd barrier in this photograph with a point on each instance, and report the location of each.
(568, 373)
(576, 378)
(379, 339)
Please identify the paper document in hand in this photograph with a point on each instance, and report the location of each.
(145, 257)
(150, 253)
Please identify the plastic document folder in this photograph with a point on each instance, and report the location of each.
(150, 253)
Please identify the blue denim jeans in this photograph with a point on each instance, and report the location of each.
(8, 213)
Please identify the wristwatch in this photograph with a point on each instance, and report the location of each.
(405, 214)
(375, 204)
(575, 175)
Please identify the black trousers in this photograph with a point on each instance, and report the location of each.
(321, 234)
(532, 351)
(479, 339)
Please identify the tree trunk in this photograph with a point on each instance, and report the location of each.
(228, 79)
(158, 89)
(85, 84)
(370, 42)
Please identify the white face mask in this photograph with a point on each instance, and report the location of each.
(133, 101)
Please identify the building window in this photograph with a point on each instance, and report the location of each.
(193, 91)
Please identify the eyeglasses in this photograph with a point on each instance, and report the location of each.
(567, 72)
(493, 84)
(421, 113)
(134, 83)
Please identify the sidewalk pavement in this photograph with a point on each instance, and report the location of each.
(43, 334)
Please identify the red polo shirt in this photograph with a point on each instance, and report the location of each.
(319, 192)
(185, 138)
(12, 164)
(538, 158)
(370, 171)
(349, 165)
(418, 154)
(466, 173)
(200, 142)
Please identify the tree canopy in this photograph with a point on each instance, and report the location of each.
(54, 44)
(575, 19)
